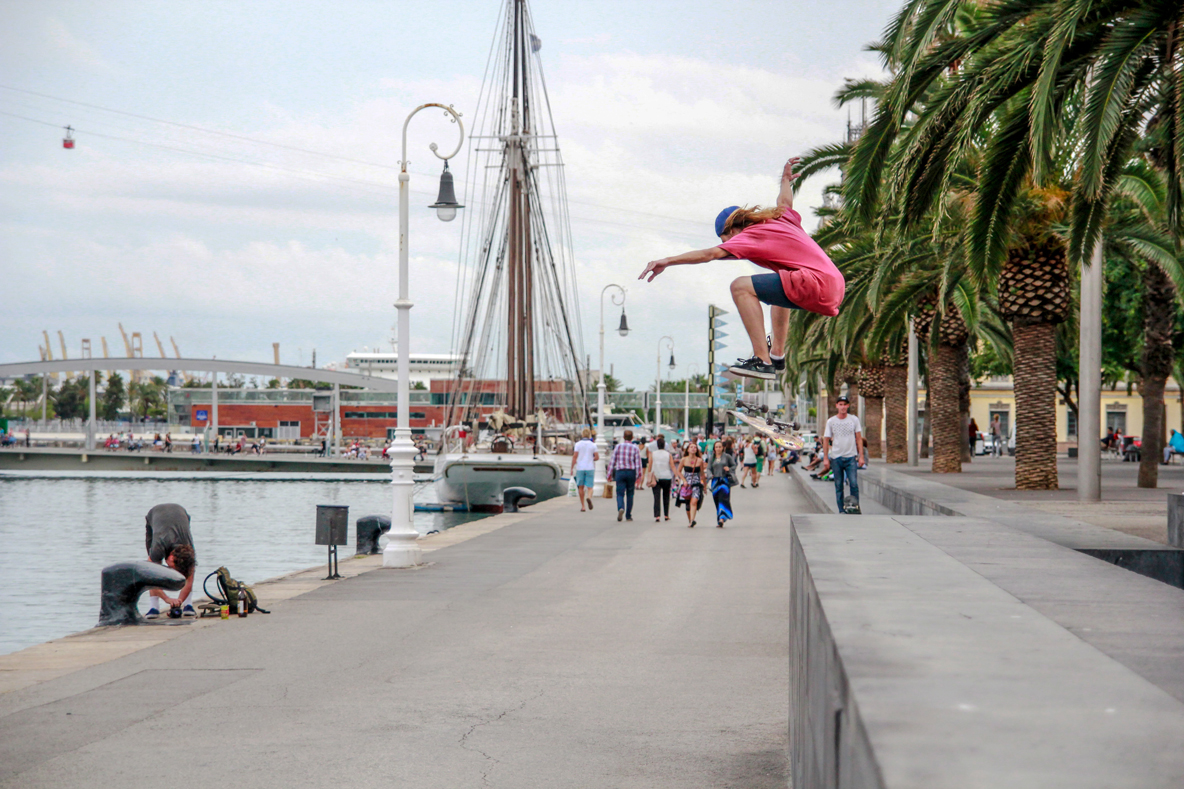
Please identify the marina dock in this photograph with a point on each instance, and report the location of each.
(544, 648)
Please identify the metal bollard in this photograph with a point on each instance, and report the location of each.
(511, 497)
(1176, 520)
(370, 528)
(122, 585)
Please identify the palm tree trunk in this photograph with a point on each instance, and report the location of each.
(1159, 313)
(964, 402)
(896, 395)
(1035, 377)
(871, 425)
(945, 411)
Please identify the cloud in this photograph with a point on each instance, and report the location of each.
(68, 45)
(229, 257)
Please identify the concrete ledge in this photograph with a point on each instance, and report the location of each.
(914, 662)
(904, 494)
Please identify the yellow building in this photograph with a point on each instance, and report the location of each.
(1120, 410)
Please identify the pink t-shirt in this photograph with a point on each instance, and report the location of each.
(808, 277)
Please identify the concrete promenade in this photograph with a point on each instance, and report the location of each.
(550, 648)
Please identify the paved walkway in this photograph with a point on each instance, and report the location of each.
(564, 649)
(1125, 506)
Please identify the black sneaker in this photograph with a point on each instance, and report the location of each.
(753, 368)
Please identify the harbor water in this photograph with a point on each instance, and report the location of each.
(57, 533)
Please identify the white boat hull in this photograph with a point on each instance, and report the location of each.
(477, 480)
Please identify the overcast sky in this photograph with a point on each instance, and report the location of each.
(666, 111)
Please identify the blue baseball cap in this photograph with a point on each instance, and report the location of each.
(722, 219)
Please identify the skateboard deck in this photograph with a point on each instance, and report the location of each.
(782, 433)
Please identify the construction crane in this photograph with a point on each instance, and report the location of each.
(86, 353)
(177, 351)
(47, 353)
(127, 346)
(62, 340)
(137, 352)
(105, 354)
(159, 345)
(132, 375)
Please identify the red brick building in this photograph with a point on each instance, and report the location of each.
(304, 413)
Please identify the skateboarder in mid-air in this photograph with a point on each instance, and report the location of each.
(802, 278)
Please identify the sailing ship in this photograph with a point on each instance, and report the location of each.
(519, 332)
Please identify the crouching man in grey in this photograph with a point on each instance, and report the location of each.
(169, 540)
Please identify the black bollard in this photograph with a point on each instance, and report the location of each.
(370, 528)
(511, 497)
(123, 583)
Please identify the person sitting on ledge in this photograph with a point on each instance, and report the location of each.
(169, 541)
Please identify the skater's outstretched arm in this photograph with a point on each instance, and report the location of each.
(788, 176)
(656, 267)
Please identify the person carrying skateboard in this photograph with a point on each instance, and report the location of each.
(842, 443)
(802, 278)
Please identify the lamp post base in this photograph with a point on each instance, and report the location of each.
(401, 553)
(599, 477)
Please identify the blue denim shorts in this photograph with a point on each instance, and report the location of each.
(768, 289)
(585, 478)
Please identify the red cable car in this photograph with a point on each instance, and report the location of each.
(68, 140)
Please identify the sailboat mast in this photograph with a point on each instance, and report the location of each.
(519, 279)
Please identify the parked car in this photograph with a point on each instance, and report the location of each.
(985, 444)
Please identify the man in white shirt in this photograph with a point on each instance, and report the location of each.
(842, 444)
(583, 466)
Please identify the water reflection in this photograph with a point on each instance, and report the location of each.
(57, 534)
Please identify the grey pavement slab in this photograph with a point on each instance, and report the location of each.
(1124, 505)
(566, 649)
(939, 494)
(957, 681)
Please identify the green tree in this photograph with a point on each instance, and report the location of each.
(113, 399)
(69, 400)
(147, 398)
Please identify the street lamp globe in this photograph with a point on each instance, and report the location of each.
(623, 330)
(446, 204)
(671, 365)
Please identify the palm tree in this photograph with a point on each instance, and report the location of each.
(1065, 87)
(1138, 235)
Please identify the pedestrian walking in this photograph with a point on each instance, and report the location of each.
(749, 470)
(690, 477)
(583, 467)
(972, 429)
(661, 468)
(643, 448)
(842, 445)
(996, 429)
(723, 476)
(168, 442)
(625, 466)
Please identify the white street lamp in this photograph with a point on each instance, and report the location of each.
(401, 549)
(686, 406)
(601, 440)
(658, 383)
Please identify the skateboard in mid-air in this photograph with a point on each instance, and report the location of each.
(782, 433)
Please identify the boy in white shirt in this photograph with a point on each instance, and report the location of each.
(583, 466)
(842, 444)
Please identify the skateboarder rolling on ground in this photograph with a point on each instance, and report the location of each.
(802, 278)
